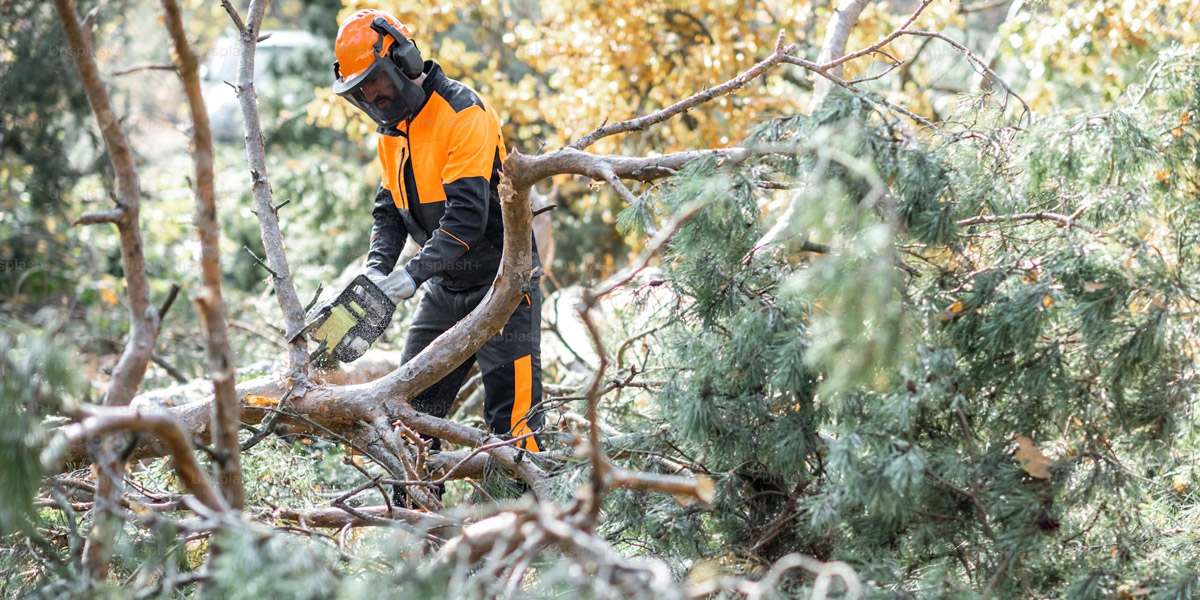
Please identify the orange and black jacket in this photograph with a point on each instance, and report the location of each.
(440, 172)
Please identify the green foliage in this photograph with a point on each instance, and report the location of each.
(862, 402)
(251, 564)
(35, 376)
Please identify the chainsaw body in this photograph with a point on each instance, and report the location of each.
(346, 327)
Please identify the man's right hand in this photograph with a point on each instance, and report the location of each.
(398, 286)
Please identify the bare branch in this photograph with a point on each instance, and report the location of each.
(829, 65)
(264, 204)
(687, 104)
(140, 68)
(986, 70)
(685, 489)
(102, 421)
(1062, 220)
(235, 17)
(595, 448)
(837, 33)
(336, 518)
(652, 248)
(597, 166)
(143, 319)
(114, 216)
(209, 300)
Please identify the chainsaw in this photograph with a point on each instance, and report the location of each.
(344, 328)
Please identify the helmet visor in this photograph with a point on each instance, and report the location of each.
(381, 92)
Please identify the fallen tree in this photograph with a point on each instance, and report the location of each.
(375, 418)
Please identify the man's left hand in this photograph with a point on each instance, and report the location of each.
(398, 286)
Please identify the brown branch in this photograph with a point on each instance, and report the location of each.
(685, 489)
(532, 169)
(209, 301)
(595, 448)
(831, 64)
(113, 215)
(336, 518)
(235, 17)
(594, 391)
(652, 248)
(264, 204)
(1041, 215)
(140, 68)
(986, 70)
(101, 421)
(143, 318)
(171, 369)
(639, 123)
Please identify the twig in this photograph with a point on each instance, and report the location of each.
(175, 373)
(268, 424)
(484, 448)
(235, 17)
(977, 61)
(168, 302)
(260, 261)
(138, 68)
(832, 63)
(595, 448)
(682, 106)
(1041, 215)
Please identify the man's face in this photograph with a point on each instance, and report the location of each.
(379, 91)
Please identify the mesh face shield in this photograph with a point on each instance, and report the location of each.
(382, 91)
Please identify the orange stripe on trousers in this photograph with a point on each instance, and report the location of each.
(523, 399)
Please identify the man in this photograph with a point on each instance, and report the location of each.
(441, 151)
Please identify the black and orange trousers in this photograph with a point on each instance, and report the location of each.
(510, 362)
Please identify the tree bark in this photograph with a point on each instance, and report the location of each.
(837, 34)
(209, 302)
(143, 317)
(101, 422)
(264, 204)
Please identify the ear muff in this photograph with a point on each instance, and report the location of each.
(404, 52)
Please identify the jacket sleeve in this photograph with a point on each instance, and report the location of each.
(465, 180)
(388, 235)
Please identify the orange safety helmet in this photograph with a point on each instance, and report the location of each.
(356, 39)
(375, 67)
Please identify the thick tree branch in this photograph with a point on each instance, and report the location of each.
(533, 169)
(209, 300)
(103, 421)
(264, 204)
(143, 318)
(837, 33)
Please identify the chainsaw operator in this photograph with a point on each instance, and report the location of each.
(441, 151)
